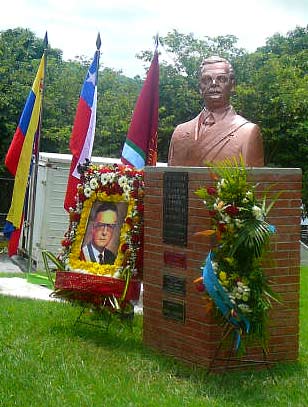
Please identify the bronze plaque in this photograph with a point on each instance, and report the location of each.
(174, 310)
(175, 259)
(175, 208)
(174, 284)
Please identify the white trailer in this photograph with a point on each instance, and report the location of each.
(50, 220)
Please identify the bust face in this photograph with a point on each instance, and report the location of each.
(216, 85)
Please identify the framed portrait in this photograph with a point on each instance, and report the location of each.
(105, 234)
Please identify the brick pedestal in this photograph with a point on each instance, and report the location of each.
(175, 318)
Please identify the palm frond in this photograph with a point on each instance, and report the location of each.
(252, 236)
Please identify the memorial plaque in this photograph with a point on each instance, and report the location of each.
(174, 259)
(174, 310)
(175, 208)
(174, 284)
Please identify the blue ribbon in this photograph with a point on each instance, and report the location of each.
(222, 300)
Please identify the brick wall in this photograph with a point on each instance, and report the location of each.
(194, 335)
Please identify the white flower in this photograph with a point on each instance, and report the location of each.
(87, 192)
(244, 308)
(257, 212)
(105, 178)
(226, 218)
(238, 222)
(215, 266)
(93, 183)
(126, 188)
(122, 181)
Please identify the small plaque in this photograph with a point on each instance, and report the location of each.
(174, 310)
(175, 208)
(174, 284)
(175, 259)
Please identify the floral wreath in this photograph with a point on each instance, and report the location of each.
(232, 274)
(107, 183)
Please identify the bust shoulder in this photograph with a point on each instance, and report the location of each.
(187, 128)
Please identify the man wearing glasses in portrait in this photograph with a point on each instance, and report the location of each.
(104, 224)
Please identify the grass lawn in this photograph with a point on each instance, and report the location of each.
(47, 361)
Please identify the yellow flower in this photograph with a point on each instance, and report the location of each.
(222, 276)
(220, 205)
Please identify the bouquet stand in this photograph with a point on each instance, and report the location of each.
(230, 358)
(112, 287)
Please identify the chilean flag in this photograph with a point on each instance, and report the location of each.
(83, 132)
(19, 156)
(140, 147)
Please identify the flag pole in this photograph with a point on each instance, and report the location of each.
(36, 161)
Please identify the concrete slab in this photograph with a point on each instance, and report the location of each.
(19, 287)
(7, 265)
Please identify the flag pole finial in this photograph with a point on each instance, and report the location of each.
(156, 41)
(98, 41)
(45, 41)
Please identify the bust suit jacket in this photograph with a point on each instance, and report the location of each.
(193, 144)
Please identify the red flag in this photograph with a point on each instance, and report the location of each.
(140, 147)
(83, 132)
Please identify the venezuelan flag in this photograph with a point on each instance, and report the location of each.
(19, 155)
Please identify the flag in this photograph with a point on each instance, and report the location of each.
(83, 132)
(140, 147)
(19, 156)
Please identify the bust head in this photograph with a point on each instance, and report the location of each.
(216, 82)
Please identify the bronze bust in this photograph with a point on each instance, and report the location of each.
(217, 132)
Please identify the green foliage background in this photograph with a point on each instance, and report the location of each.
(272, 91)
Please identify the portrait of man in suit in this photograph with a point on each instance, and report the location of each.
(105, 220)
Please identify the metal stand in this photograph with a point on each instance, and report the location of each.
(102, 316)
(231, 356)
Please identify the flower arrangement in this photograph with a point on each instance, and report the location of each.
(232, 274)
(111, 183)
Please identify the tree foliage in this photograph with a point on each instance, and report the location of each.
(272, 91)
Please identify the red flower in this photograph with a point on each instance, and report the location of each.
(134, 194)
(211, 190)
(140, 207)
(129, 221)
(212, 213)
(135, 238)
(200, 287)
(222, 227)
(232, 210)
(124, 247)
(74, 216)
(66, 242)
